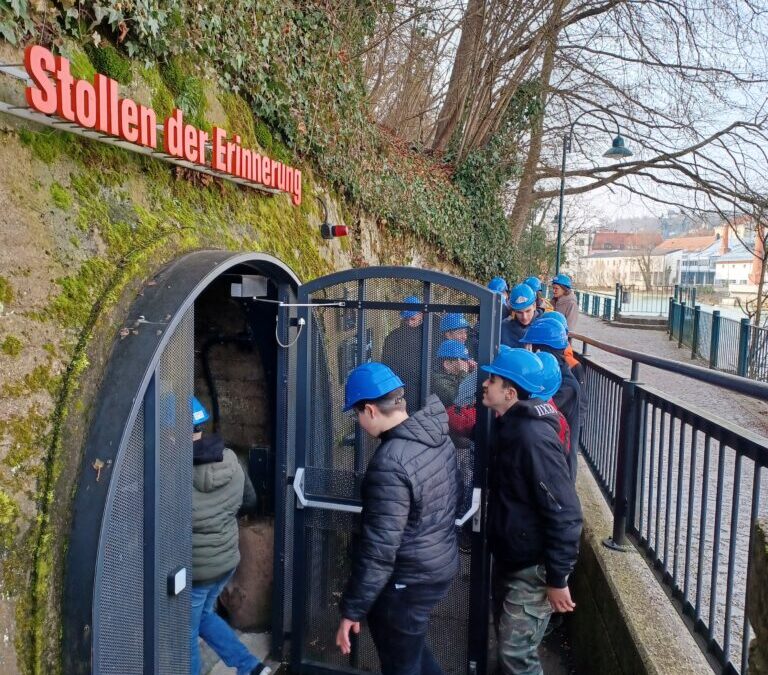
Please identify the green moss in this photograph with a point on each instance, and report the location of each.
(162, 98)
(12, 345)
(239, 118)
(80, 65)
(39, 379)
(79, 291)
(50, 349)
(263, 135)
(25, 435)
(6, 291)
(47, 145)
(108, 61)
(188, 91)
(9, 513)
(60, 196)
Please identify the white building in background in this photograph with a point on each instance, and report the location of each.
(734, 268)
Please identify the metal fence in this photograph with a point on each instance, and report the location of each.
(685, 486)
(633, 300)
(595, 304)
(728, 345)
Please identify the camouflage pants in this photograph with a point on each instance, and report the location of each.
(521, 613)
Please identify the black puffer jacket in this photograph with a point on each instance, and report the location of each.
(410, 492)
(534, 512)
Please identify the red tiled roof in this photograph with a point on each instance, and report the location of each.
(685, 244)
(623, 241)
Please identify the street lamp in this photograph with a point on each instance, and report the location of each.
(618, 150)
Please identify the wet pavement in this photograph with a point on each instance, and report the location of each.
(734, 408)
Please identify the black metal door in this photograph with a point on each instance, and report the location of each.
(347, 318)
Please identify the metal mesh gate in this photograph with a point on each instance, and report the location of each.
(350, 323)
(138, 626)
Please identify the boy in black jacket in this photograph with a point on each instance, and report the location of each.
(534, 515)
(408, 555)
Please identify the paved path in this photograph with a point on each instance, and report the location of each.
(735, 408)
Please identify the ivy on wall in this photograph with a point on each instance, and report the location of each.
(292, 62)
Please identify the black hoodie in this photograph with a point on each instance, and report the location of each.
(410, 492)
(534, 512)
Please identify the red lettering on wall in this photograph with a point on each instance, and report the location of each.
(85, 104)
(129, 120)
(42, 97)
(218, 160)
(64, 90)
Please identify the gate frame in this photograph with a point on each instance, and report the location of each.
(127, 380)
(489, 319)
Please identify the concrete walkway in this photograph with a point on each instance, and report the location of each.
(735, 408)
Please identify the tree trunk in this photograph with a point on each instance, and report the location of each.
(461, 74)
(524, 197)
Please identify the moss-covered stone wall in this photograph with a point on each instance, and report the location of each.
(83, 225)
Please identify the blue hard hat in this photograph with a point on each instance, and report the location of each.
(410, 313)
(199, 413)
(369, 382)
(552, 378)
(557, 316)
(498, 285)
(452, 349)
(562, 280)
(534, 283)
(520, 366)
(548, 332)
(453, 322)
(521, 297)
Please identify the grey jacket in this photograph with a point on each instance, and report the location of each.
(568, 306)
(217, 494)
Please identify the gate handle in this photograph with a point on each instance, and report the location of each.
(298, 488)
(473, 512)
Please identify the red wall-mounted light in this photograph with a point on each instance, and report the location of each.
(328, 231)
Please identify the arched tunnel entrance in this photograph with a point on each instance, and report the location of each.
(207, 324)
(268, 357)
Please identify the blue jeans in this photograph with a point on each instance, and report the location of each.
(208, 625)
(398, 621)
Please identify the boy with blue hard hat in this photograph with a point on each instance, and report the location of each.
(402, 344)
(454, 364)
(220, 489)
(550, 335)
(500, 286)
(541, 302)
(522, 301)
(534, 515)
(407, 554)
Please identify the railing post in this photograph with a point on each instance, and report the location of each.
(692, 299)
(681, 324)
(741, 368)
(627, 452)
(608, 309)
(617, 301)
(714, 340)
(595, 305)
(677, 292)
(695, 333)
(585, 303)
(670, 316)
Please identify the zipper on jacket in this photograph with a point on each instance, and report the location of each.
(550, 495)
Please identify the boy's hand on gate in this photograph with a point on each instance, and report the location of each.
(342, 634)
(560, 599)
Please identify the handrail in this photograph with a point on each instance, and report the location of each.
(740, 385)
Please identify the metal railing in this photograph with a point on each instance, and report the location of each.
(726, 344)
(634, 300)
(685, 486)
(595, 304)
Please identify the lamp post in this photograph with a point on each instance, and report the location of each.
(618, 150)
